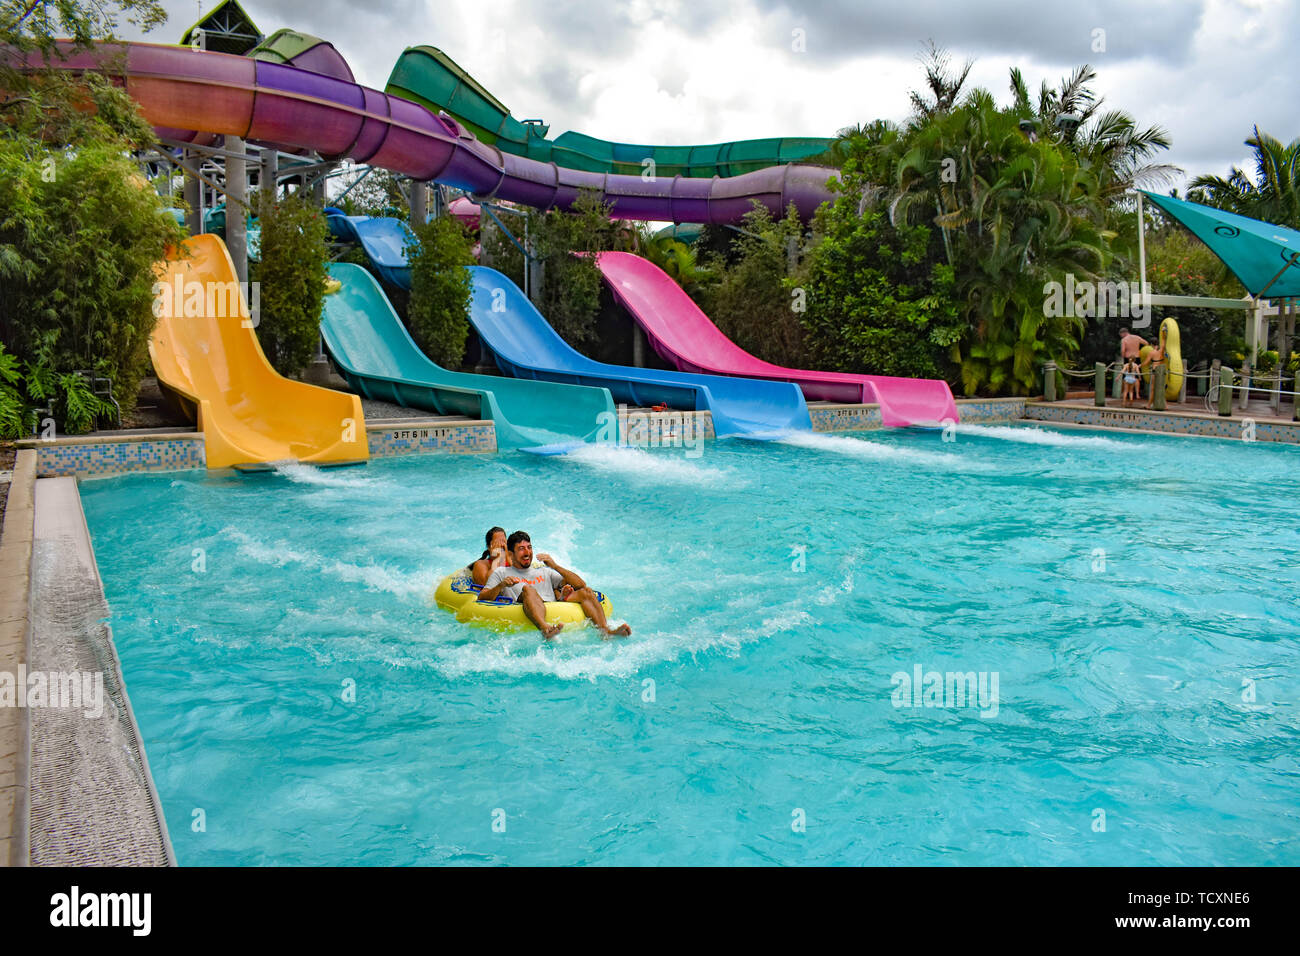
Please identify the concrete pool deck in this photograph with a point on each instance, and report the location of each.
(15, 583)
(75, 787)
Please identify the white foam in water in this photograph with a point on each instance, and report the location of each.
(578, 653)
(848, 565)
(667, 465)
(1031, 435)
(302, 474)
(401, 583)
(879, 451)
(556, 533)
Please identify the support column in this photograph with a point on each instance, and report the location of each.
(1099, 378)
(419, 204)
(1285, 334)
(193, 194)
(237, 207)
(536, 273)
(1254, 317)
(638, 346)
(270, 171)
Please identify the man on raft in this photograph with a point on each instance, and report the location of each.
(532, 587)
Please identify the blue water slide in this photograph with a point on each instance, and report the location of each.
(526, 346)
(384, 240)
(380, 360)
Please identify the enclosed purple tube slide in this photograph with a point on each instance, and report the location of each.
(182, 90)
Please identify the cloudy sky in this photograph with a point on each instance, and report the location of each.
(697, 71)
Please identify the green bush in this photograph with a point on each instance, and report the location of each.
(378, 194)
(291, 279)
(569, 296)
(570, 292)
(80, 232)
(877, 303)
(752, 299)
(438, 313)
(29, 388)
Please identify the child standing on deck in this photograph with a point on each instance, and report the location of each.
(1131, 370)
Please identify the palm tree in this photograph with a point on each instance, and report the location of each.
(1110, 143)
(675, 258)
(943, 87)
(1273, 195)
(1015, 213)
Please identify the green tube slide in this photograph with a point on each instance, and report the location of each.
(427, 76)
(380, 360)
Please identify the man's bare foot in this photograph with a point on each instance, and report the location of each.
(551, 630)
(621, 631)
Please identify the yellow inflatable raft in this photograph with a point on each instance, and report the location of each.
(458, 592)
(1173, 358)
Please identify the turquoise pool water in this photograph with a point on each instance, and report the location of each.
(1134, 597)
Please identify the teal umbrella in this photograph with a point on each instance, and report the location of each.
(1265, 257)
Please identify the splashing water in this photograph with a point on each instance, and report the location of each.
(291, 676)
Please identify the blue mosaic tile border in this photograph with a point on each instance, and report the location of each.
(844, 418)
(387, 441)
(838, 418)
(56, 459)
(1235, 427)
(88, 459)
(642, 429)
(982, 411)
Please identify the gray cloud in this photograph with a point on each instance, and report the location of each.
(1054, 32)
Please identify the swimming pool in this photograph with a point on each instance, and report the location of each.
(1133, 597)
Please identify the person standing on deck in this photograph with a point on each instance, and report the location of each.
(1130, 347)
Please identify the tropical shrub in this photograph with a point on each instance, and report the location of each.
(291, 279)
(80, 231)
(438, 311)
(569, 293)
(877, 301)
(752, 298)
(1014, 215)
(27, 389)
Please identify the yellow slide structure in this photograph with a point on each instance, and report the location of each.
(1173, 358)
(204, 348)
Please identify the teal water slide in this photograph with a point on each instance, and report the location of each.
(380, 360)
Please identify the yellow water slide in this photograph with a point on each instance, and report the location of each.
(204, 349)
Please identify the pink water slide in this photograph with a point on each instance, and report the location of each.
(683, 335)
